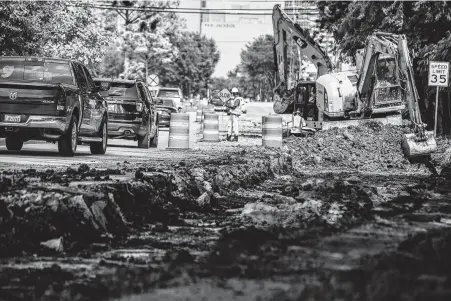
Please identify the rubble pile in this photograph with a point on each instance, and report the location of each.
(371, 147)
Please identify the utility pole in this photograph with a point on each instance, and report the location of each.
(147, 67)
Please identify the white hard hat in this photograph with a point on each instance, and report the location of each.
(234, 90)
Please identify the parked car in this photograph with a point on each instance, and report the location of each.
(132, 111)
(53, 100)
(174, 94)
(165, 107)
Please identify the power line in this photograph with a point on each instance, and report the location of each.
(176, 10)
(169, 10)
(206, 9)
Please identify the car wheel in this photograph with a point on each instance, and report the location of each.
(67, 144)
(99, 148)
(154, 140)
(13, 144)
(144, 141)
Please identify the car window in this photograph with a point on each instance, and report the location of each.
(122, 90)
(90, 82)
(149, 95)
(168, 93)
(50, 72)
(142, 93)
(167, 103)
(80, 76)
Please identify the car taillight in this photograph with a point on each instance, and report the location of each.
(61, 99)
(139, 107)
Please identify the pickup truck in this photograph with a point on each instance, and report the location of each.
(53, 100)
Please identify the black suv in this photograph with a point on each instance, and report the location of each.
(131, 109)
(50, 99)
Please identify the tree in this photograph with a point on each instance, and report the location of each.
(53, 29)
(425, 24)
(145, 35)
(193, 67)
(20, 23)
(77, 33)
(255, 73)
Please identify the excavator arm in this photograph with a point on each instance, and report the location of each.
(368, 87)
(284, 30)
(420, 142)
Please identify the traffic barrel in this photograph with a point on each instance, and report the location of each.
(199, 116)
(272, 131)
(179, 131)
(211, 127)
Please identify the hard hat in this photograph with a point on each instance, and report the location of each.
(234, 90)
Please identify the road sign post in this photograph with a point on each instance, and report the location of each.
(438, 77)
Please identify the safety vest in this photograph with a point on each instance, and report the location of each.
(234, 105)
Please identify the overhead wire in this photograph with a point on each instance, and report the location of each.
(222, 11)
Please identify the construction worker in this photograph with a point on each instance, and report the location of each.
(234, 111)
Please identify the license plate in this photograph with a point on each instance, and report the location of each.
(111, 108)
(12, 118)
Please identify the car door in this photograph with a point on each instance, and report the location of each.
(151, 104)
(97, 105)
(82, 84)
(143, 97)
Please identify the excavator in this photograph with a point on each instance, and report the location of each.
(381, 90)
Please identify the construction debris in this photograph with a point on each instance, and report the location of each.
(371, 147)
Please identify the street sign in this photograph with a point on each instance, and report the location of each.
(224, 95)
(153, 80)
(438, 77)
(438, 74)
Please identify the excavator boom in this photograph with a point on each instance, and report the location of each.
(420, 142)
(285, 30)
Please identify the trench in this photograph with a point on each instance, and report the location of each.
(238, 227)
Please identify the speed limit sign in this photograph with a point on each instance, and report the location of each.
(438, 74)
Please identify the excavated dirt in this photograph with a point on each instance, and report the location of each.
(330, 217)
(371, 147)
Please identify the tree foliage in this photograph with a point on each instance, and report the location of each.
(51, 28)
(255, 73)
(193, 67)
(426, 25)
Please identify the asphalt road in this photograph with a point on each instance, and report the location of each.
(42, 154)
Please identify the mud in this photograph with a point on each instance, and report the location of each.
(247, 223)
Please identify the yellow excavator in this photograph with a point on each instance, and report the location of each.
(380, 90)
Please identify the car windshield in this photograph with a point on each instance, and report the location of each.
(36, 71)
(121, 90)
(166, 103)
(168, 94)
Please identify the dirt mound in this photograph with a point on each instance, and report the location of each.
(370, 147)
(37, 215)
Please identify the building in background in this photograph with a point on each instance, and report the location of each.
(239, 24)
(306, 14)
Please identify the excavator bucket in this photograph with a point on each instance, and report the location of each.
(413, 147)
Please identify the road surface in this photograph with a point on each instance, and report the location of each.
(43, 154)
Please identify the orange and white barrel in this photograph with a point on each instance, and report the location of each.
(199, 116)
(179, 131)
(272, 131)
(211, 127)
